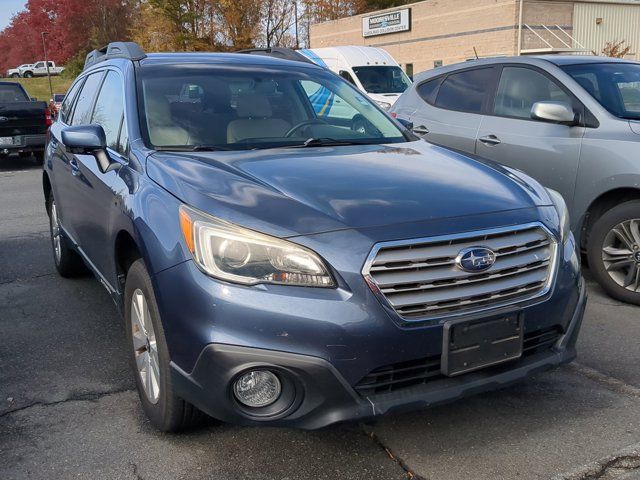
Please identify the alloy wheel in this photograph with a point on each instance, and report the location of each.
(145, 346)
(621, 254)
(55, 233)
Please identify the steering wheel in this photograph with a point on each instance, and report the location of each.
(306, 123)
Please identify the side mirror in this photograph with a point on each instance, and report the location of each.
(405, 123)
(88, 140)
(555, 112)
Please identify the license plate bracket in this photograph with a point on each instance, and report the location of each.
(475, 344)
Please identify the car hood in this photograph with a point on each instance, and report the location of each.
(635, 126)
(389, 98)
(288, 192)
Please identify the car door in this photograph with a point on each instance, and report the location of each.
(451, 107)
(64, 165)
(39, 68)
(92, 190)
(547, 151)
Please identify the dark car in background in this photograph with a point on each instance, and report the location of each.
(571, 122)
(23, 122)
(276, 266)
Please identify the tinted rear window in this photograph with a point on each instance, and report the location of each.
(465, 91)
(12, 93)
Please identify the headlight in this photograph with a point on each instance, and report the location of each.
(563, 213)
(383, 105)
(228, 252)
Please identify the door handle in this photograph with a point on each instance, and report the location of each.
(490, 140)
(421, 130)
(75, 168)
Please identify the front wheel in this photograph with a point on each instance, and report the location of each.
(15, 75)
(28, 75)
(614, 252)
(150, 356)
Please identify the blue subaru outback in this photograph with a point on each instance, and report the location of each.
(284, 253)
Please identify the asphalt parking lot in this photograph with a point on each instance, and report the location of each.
(68, 408)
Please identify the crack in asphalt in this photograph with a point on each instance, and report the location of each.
(611, 383)
(23, 280)
(613, 466)
(82, 397)
(411, 475)
(136, 474)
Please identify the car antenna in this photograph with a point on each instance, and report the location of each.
(476, 53)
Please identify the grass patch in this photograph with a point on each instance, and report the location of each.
(39, 87)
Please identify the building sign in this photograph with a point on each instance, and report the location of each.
(390, 22)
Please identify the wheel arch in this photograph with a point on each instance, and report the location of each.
(602, 204)
(125, 251)
(46, 188)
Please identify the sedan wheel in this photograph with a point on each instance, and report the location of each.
(145, 346)
(55, 233)
(613, 249)
(621, 254)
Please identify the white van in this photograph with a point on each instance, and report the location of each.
(371, 69)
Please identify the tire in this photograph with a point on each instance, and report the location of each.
(27, 75)
(15, 75)
(613, 250)
(148, 348)
(67, 261)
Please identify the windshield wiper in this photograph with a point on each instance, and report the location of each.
(191, 148)
(322, 142)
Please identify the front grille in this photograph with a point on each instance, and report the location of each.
(417, 372)
(420, 278)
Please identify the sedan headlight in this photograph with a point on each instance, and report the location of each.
(383, 105)
(563, 213)
(229, 252)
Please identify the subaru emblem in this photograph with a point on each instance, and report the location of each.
(475, 259)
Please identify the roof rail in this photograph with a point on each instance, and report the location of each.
(278, 52)
(129, 50)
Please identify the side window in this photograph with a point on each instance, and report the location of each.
(520, 88)
(82, 109)
(109, 108)
(65, 109)
(347, 76)
(427, 89)
(327, 105)
(123, 139)
(39, 65)
(465, 91)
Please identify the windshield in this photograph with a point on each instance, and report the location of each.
(12, 93)
(200, 107)
(616, 86)
(382, 79)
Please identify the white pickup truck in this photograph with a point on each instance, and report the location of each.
(39, 69)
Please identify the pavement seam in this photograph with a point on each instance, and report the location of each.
(23, 280)
(83, 397)
(611, 383)
(617, 464)
(410, 474)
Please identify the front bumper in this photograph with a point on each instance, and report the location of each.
(323, 396)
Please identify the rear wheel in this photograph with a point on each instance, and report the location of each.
(150, 356)
(67, 261)
(614, 252)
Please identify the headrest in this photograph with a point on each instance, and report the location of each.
(158, 110)
(253, 105)
(587, 84)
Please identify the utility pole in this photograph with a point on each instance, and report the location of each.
(46, 61)
(295, 13)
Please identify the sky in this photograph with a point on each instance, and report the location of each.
(8, 8)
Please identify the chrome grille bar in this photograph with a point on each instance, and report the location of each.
(420, 278)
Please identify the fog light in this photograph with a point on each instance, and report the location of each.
(257, 388)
